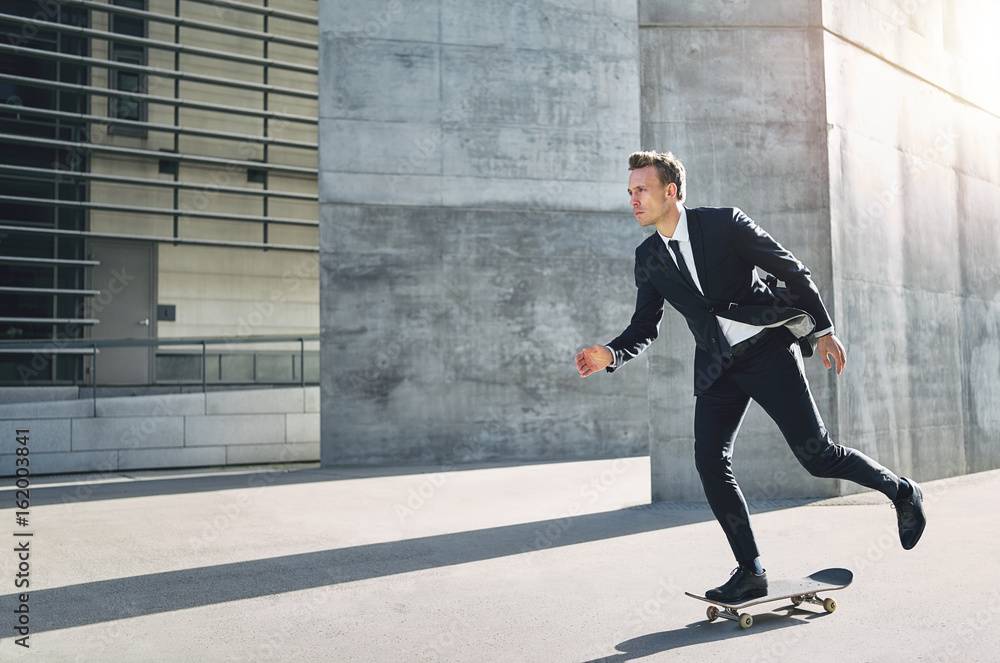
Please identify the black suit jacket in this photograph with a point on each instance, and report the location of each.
(727, 246)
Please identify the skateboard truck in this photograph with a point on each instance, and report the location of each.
(746, 620)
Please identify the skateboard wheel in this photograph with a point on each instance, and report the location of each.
(829, 605)
(797, 600)
(712, 613)
(746, 621)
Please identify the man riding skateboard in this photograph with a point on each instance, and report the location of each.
(702, 262)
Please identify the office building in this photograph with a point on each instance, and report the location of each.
(158, 168)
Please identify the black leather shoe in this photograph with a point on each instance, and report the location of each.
(910, 515)
(743, 585)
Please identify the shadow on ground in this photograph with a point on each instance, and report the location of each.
(704, 631)
(121, 598)
(126, 485)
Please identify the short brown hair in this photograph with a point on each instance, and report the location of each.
(669, 168)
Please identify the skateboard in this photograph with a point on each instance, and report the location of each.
(799, 590)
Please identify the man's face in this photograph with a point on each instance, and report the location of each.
(650, 199)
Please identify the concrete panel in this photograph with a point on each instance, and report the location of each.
(447, 444)
(234, 429)
(981, 390)
(37, 394)
(671, 411)
(979, 209)
(64, 462)
(254, 401)
(483, 118)
(252, 454)
(132, 459)
(935, 454)
(486, 87)
(554, 25)
(870, 221)
(169, 404)
(675, 13)
(302, 427)
(972, 132)
(359, 73)
(874, 393)
(363, 146)
(674, 479)
(127, 433)
(520, 153)
(531, 194)
(44, 435)
(311, 399)
(409, 342)
(472, 192)
(933, 338)
(50, 410)
(392, 189)
(701, 74)
(950, 44)
(758, 167)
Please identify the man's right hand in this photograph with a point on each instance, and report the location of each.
(593, 359)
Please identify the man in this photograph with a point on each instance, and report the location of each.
(702, 262)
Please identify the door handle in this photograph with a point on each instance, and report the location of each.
(144, 322)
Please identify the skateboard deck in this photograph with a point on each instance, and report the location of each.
(799, 590)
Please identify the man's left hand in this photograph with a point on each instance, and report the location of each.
(830, 346)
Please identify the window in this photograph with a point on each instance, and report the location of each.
(129, 25)
(128, 80)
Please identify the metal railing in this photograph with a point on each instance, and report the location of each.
(92, 348)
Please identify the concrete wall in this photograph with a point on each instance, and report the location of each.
(915, 182)
(474, 229)
(475, 233)
(864, 136)
(165, 431)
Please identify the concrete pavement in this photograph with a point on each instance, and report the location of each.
(548, 562)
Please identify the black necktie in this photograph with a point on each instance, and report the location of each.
(724, 349)
(681, 265)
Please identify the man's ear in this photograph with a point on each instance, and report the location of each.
(674, 194)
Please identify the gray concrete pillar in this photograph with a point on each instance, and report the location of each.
(474, 229)
(865, 139)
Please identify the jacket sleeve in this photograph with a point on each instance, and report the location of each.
(645, 324)
(754, 245)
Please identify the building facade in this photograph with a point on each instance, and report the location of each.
(158, 180)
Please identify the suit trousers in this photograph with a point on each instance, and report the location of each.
(771, 373)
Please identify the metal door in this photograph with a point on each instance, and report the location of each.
(125, 308)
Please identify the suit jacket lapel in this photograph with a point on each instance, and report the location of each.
(698, 250)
